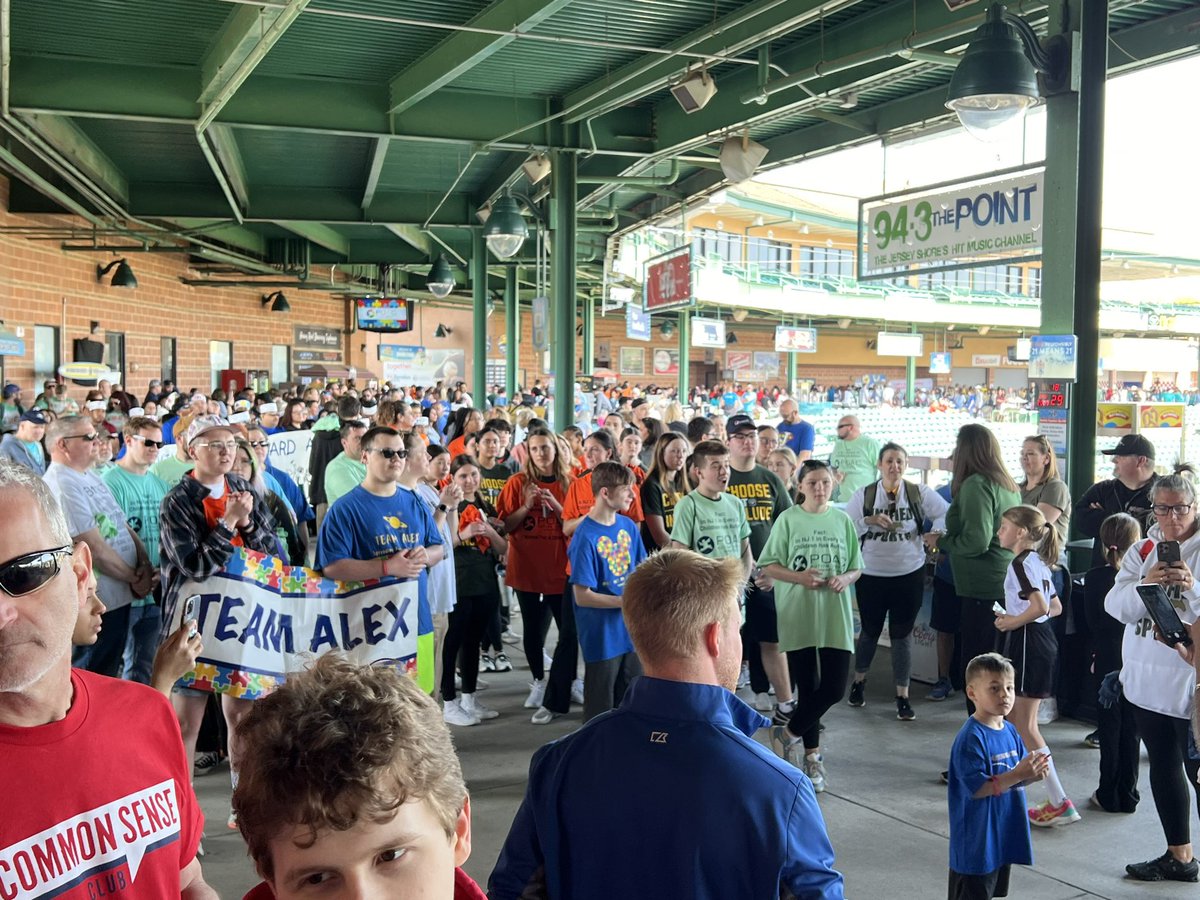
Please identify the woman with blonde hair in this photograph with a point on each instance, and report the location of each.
(1042, 486)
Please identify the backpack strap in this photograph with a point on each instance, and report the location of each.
(1144, 550)
(913, 492)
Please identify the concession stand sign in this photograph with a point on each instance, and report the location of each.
(669, 281)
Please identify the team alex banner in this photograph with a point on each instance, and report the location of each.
(261, 620)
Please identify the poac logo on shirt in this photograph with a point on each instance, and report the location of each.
(90, 844)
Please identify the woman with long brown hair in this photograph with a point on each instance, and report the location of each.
(982, 491)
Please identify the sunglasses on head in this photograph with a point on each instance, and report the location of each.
(27, 573)
(260, 444)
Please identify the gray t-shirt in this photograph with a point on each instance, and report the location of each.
(1053, 493)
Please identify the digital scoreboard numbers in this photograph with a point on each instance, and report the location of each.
(1052, 394)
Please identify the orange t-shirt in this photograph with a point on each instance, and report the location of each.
(581, 499)
(537, 548)
(458, 446)
(214, 511)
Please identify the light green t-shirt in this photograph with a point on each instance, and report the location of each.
(858, 460)
(140, 498)
(171, 469)
(342, 475)
(714, 528)
(828, 542)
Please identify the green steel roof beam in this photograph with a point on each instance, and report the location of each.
(240, 236)
(321, 235)
(244, 41)
(224, 145)
(416, 238)
(70, 141)
(374, 170)
(465, 49)
(748, 27)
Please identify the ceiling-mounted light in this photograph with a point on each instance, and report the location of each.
(440, 280)
(505, 230)
(666, 329)
(996, 82)
(694, 92)
(740, 157)
(123, 277)
(537, 168)
(739, 315)
(442, 331)
(279, 303)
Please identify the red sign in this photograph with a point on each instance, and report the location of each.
(669, 280)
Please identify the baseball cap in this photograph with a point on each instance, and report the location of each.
(739, 423)
(241, 406)
(201, 425)
(1132, 445)
(36, 416)
(11, 390)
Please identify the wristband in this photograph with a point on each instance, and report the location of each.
(383, 567)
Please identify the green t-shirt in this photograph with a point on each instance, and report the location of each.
(715, 528)
(140, 498)
(828, 542)
(171, 469)
(858, 460)
(765, 499)
(342, 475)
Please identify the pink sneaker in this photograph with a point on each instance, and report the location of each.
(1048, 815)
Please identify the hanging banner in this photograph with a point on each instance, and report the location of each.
(261, 621)
(983, 220)
(289, 450)
(404, 365)
(1053, 356)
(668, 281)
(637, 323)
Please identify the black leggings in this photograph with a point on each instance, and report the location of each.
(464, 631)
(977, 634)
(1171, 771)
(897, 597)
(536, 613)
(820, 675)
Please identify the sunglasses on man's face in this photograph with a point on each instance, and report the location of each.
(27, 573)
(389, 453)
(260, 444)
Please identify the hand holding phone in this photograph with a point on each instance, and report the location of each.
(1164, 614)
(191, 609)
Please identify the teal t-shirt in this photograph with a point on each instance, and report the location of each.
(858, 460)
(714, 528)
(828, 542)
(343, 475)
(140, 498)
(171, 469)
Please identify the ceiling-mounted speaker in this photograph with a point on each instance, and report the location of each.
(694, 92)
(740, 158)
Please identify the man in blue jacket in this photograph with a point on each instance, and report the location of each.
(669, 795)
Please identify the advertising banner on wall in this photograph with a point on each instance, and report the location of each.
(1053, 356)
(668, 281)
(637, 323)
(984, 220)
(795, 340)
(404, 364)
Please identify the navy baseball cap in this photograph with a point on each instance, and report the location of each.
(739, 423)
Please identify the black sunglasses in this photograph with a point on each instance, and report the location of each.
(389, 453)
(83, 437)
(27, 573)
(157, 445)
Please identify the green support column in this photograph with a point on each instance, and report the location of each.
(588, 353)
(479, 316)
(910, 375)
(1071, 250)
(512, 332)
(791, 374)
(563, 186)
(685, 346)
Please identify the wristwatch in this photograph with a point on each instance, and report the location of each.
(442, 507)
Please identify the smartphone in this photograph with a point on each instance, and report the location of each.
(1165, 616)
(191, 609)
(1168, 552)
(998, 608)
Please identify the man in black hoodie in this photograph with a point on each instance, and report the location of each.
(327, 444)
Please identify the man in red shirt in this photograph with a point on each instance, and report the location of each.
(97, 799)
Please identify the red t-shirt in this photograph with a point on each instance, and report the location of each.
(99, 804)
(537, 548)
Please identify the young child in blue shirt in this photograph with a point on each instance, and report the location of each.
(989, 767)
(604, 550)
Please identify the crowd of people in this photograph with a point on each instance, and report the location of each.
(683, 555)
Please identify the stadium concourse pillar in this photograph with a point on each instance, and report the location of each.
(479, 300)
(587, 355)
(791, 374)
(512, 332)
(563, 185)
(910, 375)
(1071, 248)
(685, 346)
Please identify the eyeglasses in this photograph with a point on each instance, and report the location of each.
(27, 573)
(745, 435)
(1180, 510)
(389, 453)
(260, 443)
(157, 445)
(218, 445)
(82, 437)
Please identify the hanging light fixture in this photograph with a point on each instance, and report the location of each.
(440, 280)
(505, 230)
(123, 277)
(278, 302)
(996, 82)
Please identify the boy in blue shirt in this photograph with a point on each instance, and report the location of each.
(989, 767)
(604, 550)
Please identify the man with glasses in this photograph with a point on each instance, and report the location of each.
(81, 753)
(25, 445)
(123, 568)
(1128, 491)
(854, 459)
(140, 495)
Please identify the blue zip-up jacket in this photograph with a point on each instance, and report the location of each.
(667, 796)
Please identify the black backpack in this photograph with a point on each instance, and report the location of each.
(912, 494)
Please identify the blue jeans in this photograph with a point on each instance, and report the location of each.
(144, 624)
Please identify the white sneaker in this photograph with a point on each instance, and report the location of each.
(1047, 711)
(547, 660)
(744, 676)
(509, 636)
(474, 708)
(454, 714)
(814, 768)
(502, 663)
(577, 691)
(537, 692)
(763, 702)
(544, 716)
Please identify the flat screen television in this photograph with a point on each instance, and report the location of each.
(384, 314)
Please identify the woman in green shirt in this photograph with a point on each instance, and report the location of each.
(814, 557)
(982, 491)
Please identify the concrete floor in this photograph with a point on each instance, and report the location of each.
(885, 807)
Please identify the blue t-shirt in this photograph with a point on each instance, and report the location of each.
(291, 492)
(729, 400)
(602, 556)
(798, 437)
(988, 832)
